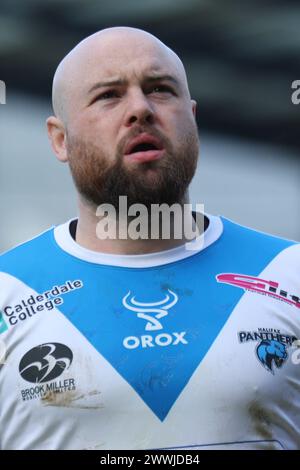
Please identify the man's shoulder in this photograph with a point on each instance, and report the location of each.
(239, 232)
(28, 251)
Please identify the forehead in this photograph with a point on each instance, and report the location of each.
(128, 60)
(135, 70)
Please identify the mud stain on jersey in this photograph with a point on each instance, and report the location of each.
(179, 291)
(262, 421)
(71, 399)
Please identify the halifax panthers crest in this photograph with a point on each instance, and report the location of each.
(271, 354)
(271, 349)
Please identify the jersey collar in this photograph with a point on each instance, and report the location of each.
(65, 241)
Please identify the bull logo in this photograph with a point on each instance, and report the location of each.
(152, 312)
(271, 353)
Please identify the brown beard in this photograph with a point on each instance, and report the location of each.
(156, 182)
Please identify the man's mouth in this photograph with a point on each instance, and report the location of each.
(144, 148)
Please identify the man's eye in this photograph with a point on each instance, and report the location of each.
(107, 95)
(161, 89)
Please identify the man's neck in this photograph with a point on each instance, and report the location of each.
(170, 232)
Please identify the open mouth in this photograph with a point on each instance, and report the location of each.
(144, 148)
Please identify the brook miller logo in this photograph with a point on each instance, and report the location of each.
(152, 312)
(45, 362)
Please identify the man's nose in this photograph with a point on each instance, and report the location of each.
(139, 109)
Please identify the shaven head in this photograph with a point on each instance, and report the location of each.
(116, 86)
(85, 62)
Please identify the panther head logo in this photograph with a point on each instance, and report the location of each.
(271, 352)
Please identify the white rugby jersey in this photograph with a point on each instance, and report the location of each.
(177, 349)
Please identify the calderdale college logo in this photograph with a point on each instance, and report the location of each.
(34, 303)
(152, 313)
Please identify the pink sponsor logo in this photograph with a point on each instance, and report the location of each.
(262, 286)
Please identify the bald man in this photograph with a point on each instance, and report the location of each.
(119, 90)
(139, 342)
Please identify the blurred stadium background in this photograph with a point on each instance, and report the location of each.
(241, 59)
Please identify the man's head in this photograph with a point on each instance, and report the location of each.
(124, 119)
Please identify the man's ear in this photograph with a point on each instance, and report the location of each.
(194, 107)
(57, 136)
